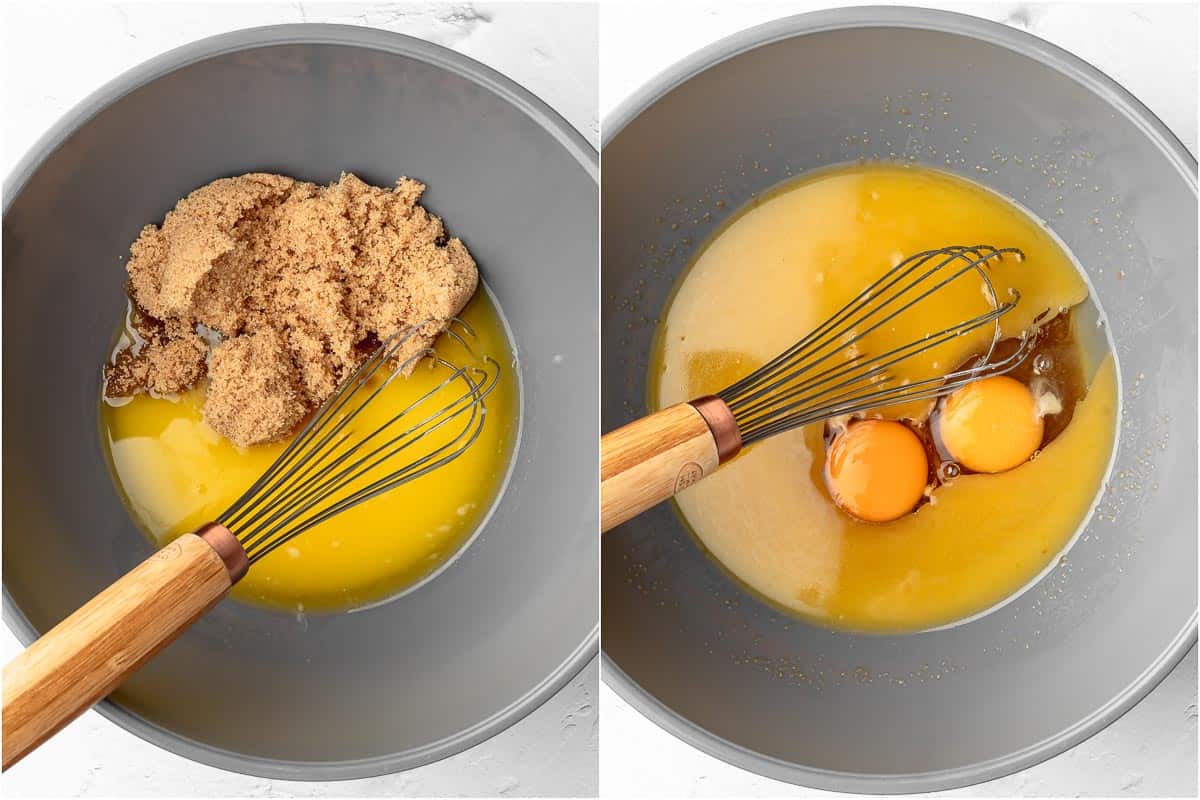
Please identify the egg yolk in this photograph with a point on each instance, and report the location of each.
(991, 425)
(877, 470)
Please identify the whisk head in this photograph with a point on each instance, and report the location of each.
(825, 375)
(337, 462)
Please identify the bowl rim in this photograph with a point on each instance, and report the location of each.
(1076, 69)
(533, 107)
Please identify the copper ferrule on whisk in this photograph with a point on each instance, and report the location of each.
(222, 540)
(722, 425)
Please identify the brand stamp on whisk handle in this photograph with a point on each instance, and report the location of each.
(689, 473)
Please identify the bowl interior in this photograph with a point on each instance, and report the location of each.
(334, 695)
(952, 706)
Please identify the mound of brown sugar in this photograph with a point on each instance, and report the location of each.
(298, 280)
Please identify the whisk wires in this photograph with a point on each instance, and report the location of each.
(825, 374)
(337, 461)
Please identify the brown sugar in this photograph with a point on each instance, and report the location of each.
(297, 280)
(253, 370)
(156, 362)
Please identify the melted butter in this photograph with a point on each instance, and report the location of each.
(775, 272)
(176, 474)
(808, 247)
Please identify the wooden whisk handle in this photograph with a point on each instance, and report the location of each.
(656, 457)
(87, 655)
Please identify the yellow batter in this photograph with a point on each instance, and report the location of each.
(176, 474)
(775, 272)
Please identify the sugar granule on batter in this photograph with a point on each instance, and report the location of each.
(298, 280)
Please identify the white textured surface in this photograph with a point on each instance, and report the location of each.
(1149, 49)
(54, 56)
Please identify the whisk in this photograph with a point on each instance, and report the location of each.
(330, 466)
(823, 375)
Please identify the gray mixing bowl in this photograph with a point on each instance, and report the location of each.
(743, 682)
(508, 622)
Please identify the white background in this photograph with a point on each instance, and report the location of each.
(54, 55)
(1151, 50)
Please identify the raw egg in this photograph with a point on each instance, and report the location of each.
(991, 425)
(877, 470)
